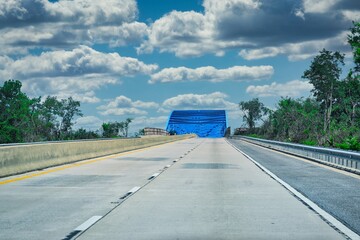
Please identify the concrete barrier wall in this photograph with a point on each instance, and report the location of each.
(24, 158)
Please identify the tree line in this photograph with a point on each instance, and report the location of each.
(24, 119)
(331, 117)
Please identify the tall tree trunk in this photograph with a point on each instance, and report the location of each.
(354, 105)
(325, 121)
(329, 114)
(328, 117)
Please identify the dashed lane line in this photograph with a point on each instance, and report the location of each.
(91, 221)
(83, 227)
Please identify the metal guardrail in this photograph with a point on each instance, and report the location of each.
(346, 160)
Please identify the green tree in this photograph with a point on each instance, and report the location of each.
(49, 118)
(57, 117)
(296, 120)
(324, 74)
(82, 133)
(350, 87)
(333, 117)
(349, 101)
(69, 109)
(115, 129)
(253, 111)
(33, 134)
(125, 127)
(141, 132)
(354, 41)
(110, 129)
(15, 114)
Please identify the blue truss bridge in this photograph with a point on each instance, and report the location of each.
(204, 123)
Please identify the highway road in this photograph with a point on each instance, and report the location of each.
(52, 205)
(191, 189)
(335, 191)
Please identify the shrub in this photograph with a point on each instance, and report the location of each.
(350, 143)
(309, 142)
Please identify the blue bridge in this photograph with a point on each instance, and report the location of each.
(204, 123)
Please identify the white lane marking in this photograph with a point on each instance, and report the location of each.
(133, 190)
(88, 223)
(348, 232)
(155, 175)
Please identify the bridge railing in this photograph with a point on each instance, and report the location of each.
(346, 160)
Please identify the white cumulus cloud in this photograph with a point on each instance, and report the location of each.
(123, 105)
(78, 72)
(216, 100)
(142, 122)
(88, 122)
(180, 33)
(299, 51)
(257, 28)
(79, 61)
(318, 6)
(295, 88)
(211, 74)
(28, 24)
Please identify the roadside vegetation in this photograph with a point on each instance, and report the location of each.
(331, 117)
(24, 119)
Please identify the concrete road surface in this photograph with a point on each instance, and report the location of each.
(214, 192)
(52, 205)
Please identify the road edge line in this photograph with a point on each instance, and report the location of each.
(332, 221)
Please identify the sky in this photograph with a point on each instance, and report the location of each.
(142, 59)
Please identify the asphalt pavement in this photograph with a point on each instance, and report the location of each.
(335, 191)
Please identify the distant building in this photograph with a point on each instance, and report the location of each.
(155, 131)
(203, 123)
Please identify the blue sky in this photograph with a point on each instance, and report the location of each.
(142, 59)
